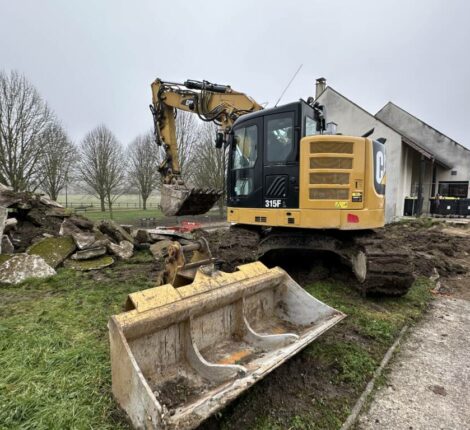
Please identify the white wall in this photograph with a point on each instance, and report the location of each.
(454, 155)
(352, 120)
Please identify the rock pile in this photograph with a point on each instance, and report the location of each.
(38, 235)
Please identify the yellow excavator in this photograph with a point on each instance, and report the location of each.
(183, 350)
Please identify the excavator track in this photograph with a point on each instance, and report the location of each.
(381, 266)
(389, 267)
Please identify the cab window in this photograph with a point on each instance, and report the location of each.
(279, 139)
(310, 126)
(245, 147)
(245, 153)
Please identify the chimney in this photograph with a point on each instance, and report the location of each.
(320, 87)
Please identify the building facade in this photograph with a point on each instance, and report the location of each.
(420, 161)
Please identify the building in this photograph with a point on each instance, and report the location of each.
(420, 160)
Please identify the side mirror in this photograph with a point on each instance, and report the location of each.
(219, 140)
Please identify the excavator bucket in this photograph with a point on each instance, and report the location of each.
(179, 200)
(180, 354)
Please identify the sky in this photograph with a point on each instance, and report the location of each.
(94, 60)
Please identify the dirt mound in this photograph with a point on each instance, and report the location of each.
(430, 248)
(232, 246)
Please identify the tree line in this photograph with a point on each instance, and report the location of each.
(36, 153)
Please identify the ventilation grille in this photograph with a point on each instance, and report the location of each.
(329, 178)
(331, 163)
(329, 194)
(260, 219)
(331, 147)
(276, 186)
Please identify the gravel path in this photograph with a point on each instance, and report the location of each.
(428, 383)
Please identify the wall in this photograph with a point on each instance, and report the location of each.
(353, 120)
(450, 152)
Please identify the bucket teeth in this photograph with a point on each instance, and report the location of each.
(201, 345)
(178, 200)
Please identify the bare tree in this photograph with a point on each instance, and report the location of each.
(56, 165)
(187, 137)
(209, 163)
(24, 116)
(144, 160)
(102, 166)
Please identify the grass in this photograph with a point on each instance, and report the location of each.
(132, 200)
(54, 354)
(125, 216)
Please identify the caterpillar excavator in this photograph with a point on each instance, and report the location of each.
(183, 350)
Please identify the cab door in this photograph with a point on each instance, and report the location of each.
(281, 165)
(246, 164)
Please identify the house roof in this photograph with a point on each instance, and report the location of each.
(390, 103)
(406, 139)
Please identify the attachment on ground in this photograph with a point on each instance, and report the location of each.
(180, 354)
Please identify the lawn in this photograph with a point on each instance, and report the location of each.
(55, 369)
(125, 216)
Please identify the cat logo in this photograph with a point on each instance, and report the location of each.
(379, 167)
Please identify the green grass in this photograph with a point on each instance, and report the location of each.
(54, 353)
(124, 216)
(125, 199)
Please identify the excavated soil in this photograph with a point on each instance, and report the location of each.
(429, 248)
(176, 392)
(232, 247)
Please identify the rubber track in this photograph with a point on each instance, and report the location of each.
(389, 267)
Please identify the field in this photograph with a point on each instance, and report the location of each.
(126, 201)
(55, 369)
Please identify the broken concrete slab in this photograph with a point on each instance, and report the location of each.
(84, 239)
(93, 264)
(23, 266)
(6, 246)
(113, 230)
(81, 222)
(8, 197)
(10, 224)
(49, 202)
(68, 228)
(142, 236)
(54, 250)
(158, 249)
(87, 254)
(124, 250)
(57, 212)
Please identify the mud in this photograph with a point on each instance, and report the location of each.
(426, 248)
(435, 247)
(176, 392)
(233, 246)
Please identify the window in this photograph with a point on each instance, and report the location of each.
(245, 148)
(280, 138)
(243, 185)
(453, 189)
(310, 126)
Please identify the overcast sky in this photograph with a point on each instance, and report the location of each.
(94, 60)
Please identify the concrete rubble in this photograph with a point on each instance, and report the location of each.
(38, 235)
(39, 232)
(23, 266)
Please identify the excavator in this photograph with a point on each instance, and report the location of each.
(183, 350)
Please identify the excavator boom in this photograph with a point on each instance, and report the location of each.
(212, 103)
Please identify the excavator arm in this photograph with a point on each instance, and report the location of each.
(211, 102)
